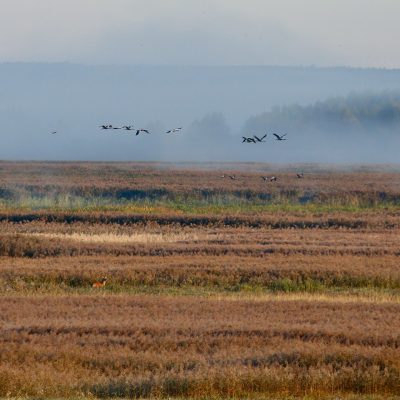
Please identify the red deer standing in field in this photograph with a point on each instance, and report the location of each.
(100, 284)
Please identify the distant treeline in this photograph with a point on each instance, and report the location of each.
(354, 112)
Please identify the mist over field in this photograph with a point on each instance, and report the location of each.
(329, 114)
(193, 264)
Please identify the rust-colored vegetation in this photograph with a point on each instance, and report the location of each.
(215, 288)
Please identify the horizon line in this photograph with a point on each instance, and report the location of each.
(283, 66)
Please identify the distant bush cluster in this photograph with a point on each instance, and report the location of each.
(354, 112)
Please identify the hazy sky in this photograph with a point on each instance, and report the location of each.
(213, 32)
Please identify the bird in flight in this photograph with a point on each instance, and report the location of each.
(53, 133)
(279, 137)
(248, 140)
(141, 130)
(128, 127)
(261, 140)
(299, 176)
(174, 130)
(106, 126)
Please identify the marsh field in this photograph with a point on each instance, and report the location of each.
(216, 287)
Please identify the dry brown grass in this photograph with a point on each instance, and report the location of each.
(202, 347)
(150, 176)
(224, 273)
(116, 238)
(42, 239)
(133, 181)
(298, 302)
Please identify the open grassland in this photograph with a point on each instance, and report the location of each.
(165, 346)
(145, 189)
(53, 256)
(217, 288)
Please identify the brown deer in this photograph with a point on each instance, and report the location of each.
(100, 283)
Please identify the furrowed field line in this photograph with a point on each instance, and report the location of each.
(372, 298)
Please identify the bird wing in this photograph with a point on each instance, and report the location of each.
(264, 137)
(257, 138)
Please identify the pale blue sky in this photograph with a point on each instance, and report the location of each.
(359, 33)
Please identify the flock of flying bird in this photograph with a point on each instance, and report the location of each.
(131, 128)
(254, 139)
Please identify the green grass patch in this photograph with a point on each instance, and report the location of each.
(214, 205)
(78, 286)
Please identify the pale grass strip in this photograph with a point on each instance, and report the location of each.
(376, 298)
(265, 297)
(120, 238)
